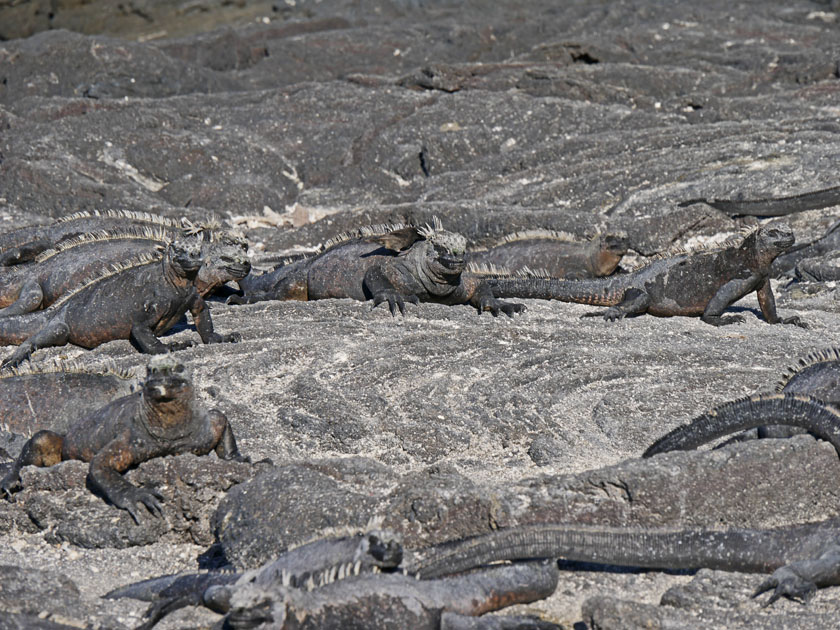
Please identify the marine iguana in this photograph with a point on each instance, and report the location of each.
(393, 264)
(53, 394)
(826, 245)
(162, 418)
(559, 254)
(24, 244)
(807, 398)
(818, 269)
(772, 206)
(58, 270)
(137, 300)
(302, 587)
(802, 558)
(697, 283)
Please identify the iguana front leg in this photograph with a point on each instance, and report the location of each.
(29, 299)
(484, 300)
(768, 307)
(381, 289)
(729, 293)
(800, 580)
(104, 475)
(204, 323)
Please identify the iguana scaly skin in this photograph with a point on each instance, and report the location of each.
(52, 395)
(163, 418)
(24, 244)
(558, 254)
(807, 398)
(773, 206)
(395, 264)
(138, 301)
(699, 283)
(818, 269)
(802, 557)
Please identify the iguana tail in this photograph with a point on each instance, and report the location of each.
(753, 411)
(773, 207)
(734, 549)
(597, 292)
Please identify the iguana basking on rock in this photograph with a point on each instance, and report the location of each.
(807, 398)
(136, 300)
(393, 264)
(365, 588)
(54, 394)
(801, 557)
(24, 244)
(773, 206)
(558, 254)
(60, 269)
(700, 283)
(162, 418)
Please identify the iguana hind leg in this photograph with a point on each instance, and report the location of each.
(55, 333)
(634, 302)
(30, 298)
(42, 449)
(800, 580)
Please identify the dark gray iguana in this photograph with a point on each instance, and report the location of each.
(559, 254)
(700, 283)
(806, 399)
(351, 581)
(24, 244)
(801, 557)
(162, 418)
(393, 264)
(136, 301)
(773, 206)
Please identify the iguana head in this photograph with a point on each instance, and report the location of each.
(443, 252)
(615, 242)
(166, 379)
(225, 259)
(777, 237)
(184, 256)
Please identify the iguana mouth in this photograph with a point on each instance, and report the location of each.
(455, 263)
(237, 269)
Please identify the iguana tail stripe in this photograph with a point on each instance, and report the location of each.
(595, 292)
(750, 412)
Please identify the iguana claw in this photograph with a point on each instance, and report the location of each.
(395, 301)
(786, 583)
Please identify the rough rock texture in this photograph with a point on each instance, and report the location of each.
(297, 120)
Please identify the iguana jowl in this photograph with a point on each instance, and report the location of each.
(701, 283)
(137, 302)
(163, 418)
(394, 265)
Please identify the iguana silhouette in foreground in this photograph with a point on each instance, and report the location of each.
(700, 283)
(162, 418)
(393, 264)
(351, 581)
(772, 206)
(24, 244)
(558, 254)
(137, 300)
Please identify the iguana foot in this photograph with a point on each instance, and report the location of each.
(9, 485)
(796, 321)
(175, 346)
(127, 499)
(395, 301)
(719, 320)
(612, 314)
(786, 583)
(498, 306)
(233, 337)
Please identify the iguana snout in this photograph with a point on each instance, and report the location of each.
(779, 236)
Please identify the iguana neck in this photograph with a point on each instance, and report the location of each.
(167, 420)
